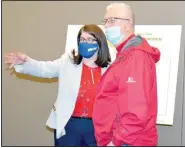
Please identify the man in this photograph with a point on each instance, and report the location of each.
(125, 108)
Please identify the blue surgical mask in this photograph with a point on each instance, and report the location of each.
(113, 34)
(87, 50)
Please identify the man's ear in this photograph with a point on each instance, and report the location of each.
(127, 29)
(127, 26)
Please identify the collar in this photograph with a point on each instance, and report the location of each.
(120, 47)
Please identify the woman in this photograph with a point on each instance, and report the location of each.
(71, 115)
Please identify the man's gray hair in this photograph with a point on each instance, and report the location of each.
(121, 4)
(118, 3)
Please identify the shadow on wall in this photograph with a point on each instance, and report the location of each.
(33, 78)
(49, 129)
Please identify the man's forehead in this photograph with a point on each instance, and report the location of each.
(116, 12)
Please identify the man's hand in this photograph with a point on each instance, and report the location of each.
(111, 144)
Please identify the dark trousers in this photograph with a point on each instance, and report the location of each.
(79, 132)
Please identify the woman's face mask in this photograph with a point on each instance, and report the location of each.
(87, 50)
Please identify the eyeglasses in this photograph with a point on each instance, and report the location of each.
(88, 40)
(112, 20)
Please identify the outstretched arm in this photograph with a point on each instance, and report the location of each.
(26, 65)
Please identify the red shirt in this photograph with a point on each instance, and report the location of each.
(89, 80)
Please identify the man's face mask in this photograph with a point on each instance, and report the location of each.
(87, 50)
(113, 34)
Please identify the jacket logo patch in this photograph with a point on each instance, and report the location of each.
(130, 80)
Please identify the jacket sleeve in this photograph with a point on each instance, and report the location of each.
(133, 98)
(104, 112)
(43, 69)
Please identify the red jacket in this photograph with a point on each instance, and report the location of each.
(125, 108)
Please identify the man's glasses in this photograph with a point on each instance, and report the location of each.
(112, 20)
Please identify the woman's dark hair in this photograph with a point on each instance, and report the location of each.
(103, 53)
